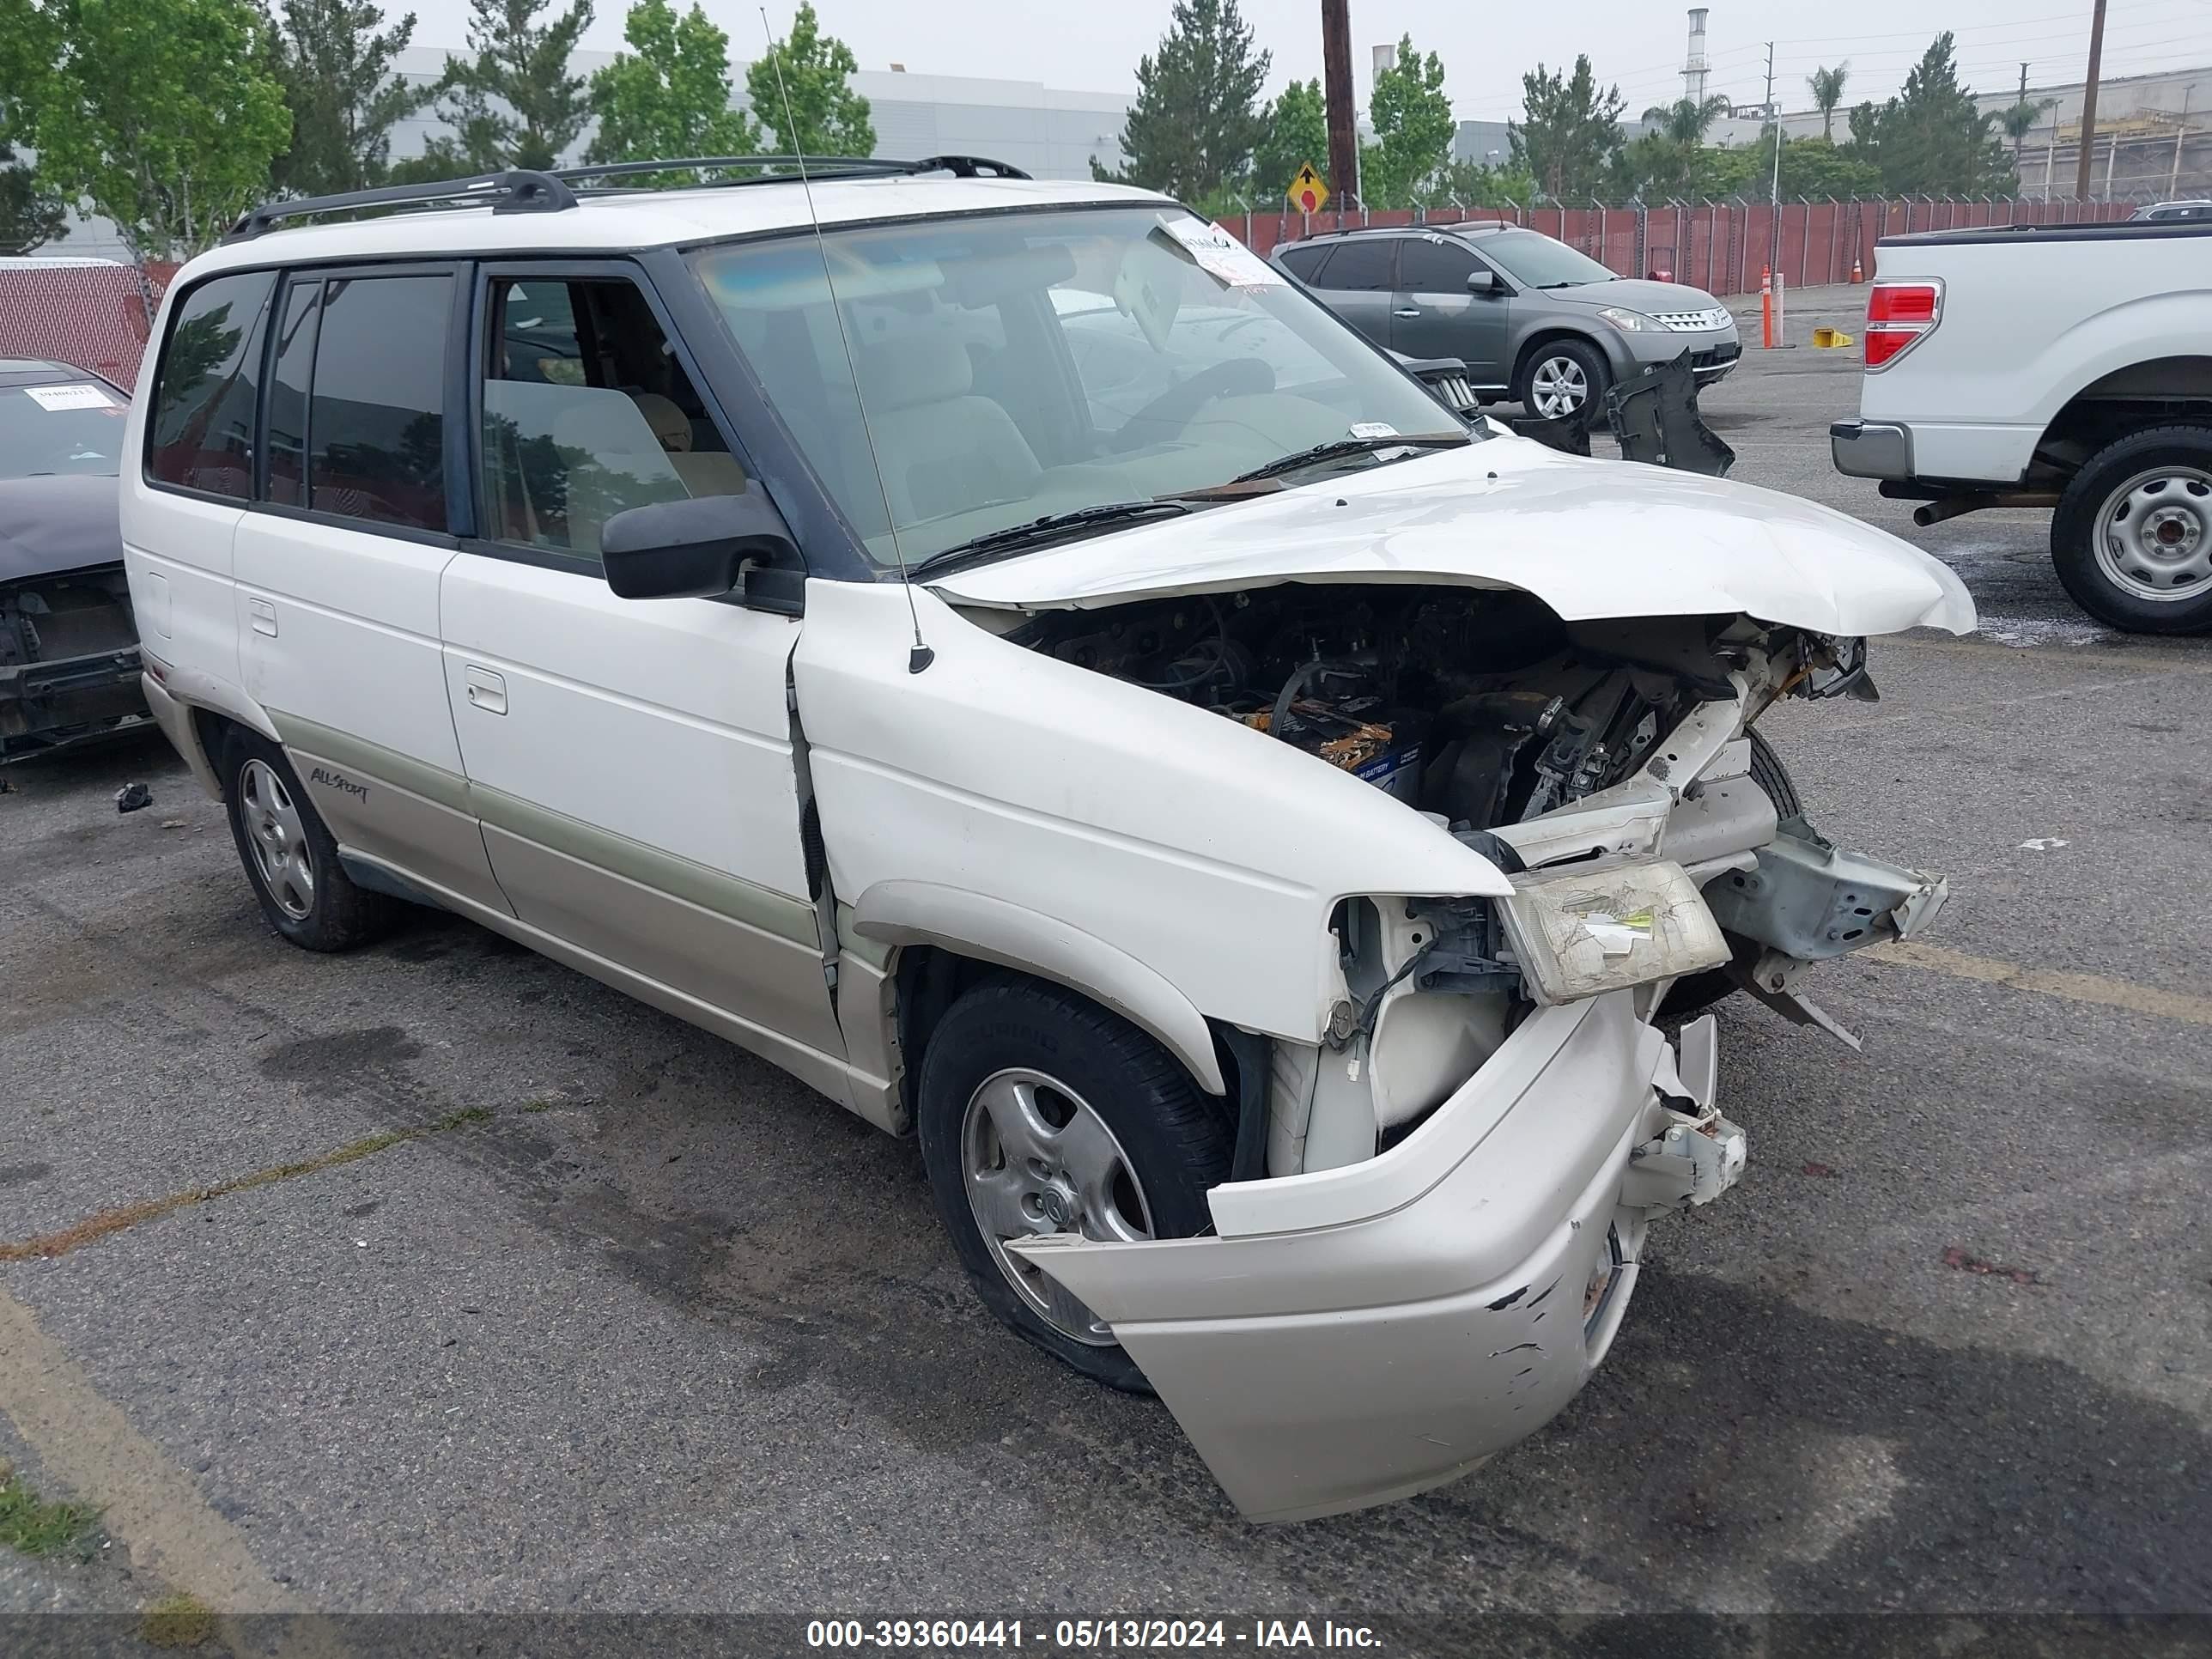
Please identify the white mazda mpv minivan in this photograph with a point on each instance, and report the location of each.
(999, 651)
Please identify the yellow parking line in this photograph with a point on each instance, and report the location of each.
(2073, 988)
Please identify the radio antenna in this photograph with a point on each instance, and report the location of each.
(921, 656)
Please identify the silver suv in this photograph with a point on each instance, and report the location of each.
(1533, 319)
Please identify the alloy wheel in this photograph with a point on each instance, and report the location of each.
(275, 832)
(1036, 1158)
(1559, 387)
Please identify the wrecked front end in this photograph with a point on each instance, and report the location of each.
(1439, 1203)
(69, 660)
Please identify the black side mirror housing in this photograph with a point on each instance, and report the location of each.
(695, 548)
(1483, 283)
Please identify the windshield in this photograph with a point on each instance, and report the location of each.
(1014, 366)
(73, 428)
(1535, 260)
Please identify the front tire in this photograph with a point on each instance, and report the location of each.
(2132, 538)
(1042, 1113)
(1564, 379)
(289, 855)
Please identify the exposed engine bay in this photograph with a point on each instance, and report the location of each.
(1609, 769)
(1482, 708)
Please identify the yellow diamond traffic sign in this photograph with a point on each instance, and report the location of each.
(1307, 193)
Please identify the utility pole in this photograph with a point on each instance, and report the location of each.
(1774, 193)
(2089, 101)
(2173, 177)
(1343, 124)
(2022, 136)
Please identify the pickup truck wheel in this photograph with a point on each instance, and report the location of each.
(2132, 538)
(1041, 1113)
(1698, 992)
(289, 855)
(1563, 380)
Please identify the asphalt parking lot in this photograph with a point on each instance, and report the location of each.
(621, 1320)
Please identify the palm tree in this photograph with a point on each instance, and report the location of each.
(1827, 86)
(2020, 119)
(1686, 120)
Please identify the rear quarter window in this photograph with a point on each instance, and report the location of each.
(199, 434)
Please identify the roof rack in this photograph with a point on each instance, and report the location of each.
(528, 189)
(517, 190)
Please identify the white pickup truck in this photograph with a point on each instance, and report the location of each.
(2059, 365)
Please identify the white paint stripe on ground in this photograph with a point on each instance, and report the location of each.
(2071, 987)
(145, 1499)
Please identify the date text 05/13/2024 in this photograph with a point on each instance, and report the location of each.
(1088, 1635)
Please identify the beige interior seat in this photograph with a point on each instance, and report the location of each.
(941, 447)
(704, 472)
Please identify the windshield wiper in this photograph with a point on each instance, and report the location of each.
(1337, 448)
(1051, 526)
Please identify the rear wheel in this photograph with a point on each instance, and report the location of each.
(1698, 992)
(2132, 538)
(1041, 1113)
(289, 855)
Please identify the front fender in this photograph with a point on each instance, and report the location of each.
(977, 925)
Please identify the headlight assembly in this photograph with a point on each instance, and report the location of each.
(1596, 930)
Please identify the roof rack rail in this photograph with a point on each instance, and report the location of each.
(823, 165)
(815, 166)
(530, 190)
(968, 167)
(517, 190)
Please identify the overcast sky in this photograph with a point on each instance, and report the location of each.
(1094, 44)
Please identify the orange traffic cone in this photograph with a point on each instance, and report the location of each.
(1858, 275)
(1766, 307)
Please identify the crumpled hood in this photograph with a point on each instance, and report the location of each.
(57, 524)
(1592, 539)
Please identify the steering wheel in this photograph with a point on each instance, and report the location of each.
(1175, 408)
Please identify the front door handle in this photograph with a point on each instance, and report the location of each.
(484, 689)
(1406, 310)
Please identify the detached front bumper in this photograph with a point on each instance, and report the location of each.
(1358, 1335)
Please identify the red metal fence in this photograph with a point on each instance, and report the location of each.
(1720, 246)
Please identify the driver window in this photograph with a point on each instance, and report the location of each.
(1434, 266)
(587, 413)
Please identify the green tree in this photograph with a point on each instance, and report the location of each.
(1686, 120)
(1477, 184)
(1811, 168)
(669, 95)
(826, 117)
(1197, 118)
(1413, 128)
(1827, 85)
(335, 66)
(2018, 120)
(1656, 167)
(159, 115)
(514, 104)
(1932, 139)
(31, 215)
(1295, 132)
(1568, 132)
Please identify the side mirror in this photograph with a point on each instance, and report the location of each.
(1482, 283)
(694, 548)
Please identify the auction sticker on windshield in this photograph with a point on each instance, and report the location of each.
(81, 395)
(1221, 255)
